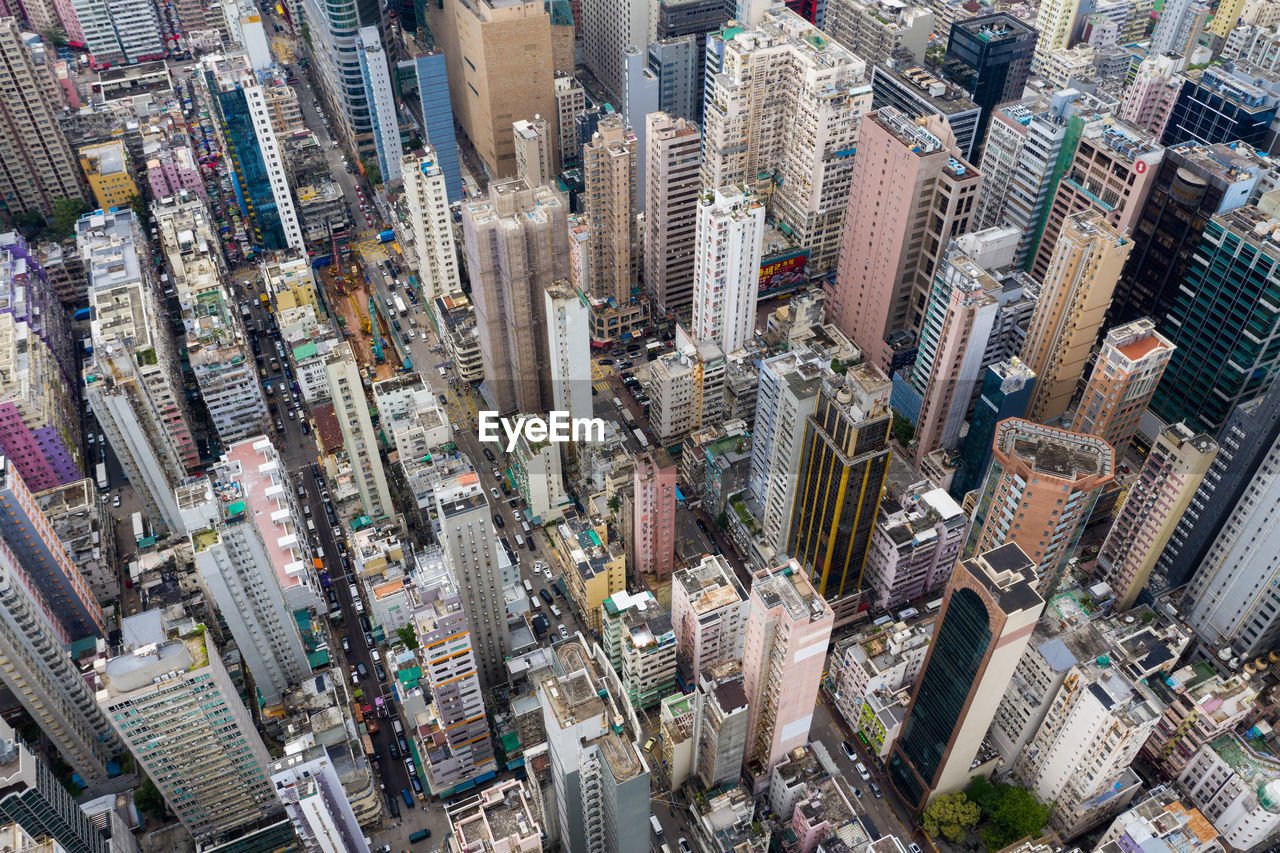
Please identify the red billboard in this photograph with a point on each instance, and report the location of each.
(783, 272)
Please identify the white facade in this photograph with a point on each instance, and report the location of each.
(539, 480)
(639, 99)
(333, 25)
(709, 615)
(569, 347)
(433, 241)
(346, 390)
(1237, 789)
(914, 547)
(381, 102)
(726, 267)
(308, 785)
(608, 28)
(535, 150)
(120, 32)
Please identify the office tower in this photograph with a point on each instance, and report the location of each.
(672, 187)
(600, 778)
(901, 83)
(1079, 757)
(654, 505)
(535, 151)
(609, 27)
(987, 615)
(432, 79)
(1125, 375)
(673, 62)
(516, 245)
(1056, 24)
(426, 192)
(687, 22)
(783, 652)
(687, 387)
(1074, 298)
(726, 267)
(38, 167)
(346, 390)
(1216, 105)
(1111, 172)
(784, 67)
(236, 520)
(120, 32)
(458, 748)
(308, 785)
(44, 559)
(569, 348)
(911, 194)
(842, 472)
(609, 171)
(107, 170)
(1148, 102)
(914, 545)
(958, 321)
(175, 707)
(500, 61)
(252, 145)
(466, 533)
(380, 98)
(1019, 160)
(133, 380)
(990, 58)
(1069, 471)
(1005, 393)
(218, 351)
(708, 613)
(1180, 26)
(1221, 321)
(334, 29)
(787, 395)
(640, 96)
(876, 30)
(1193, 184)
(571, 101)
(1153, 507)
(38, 400)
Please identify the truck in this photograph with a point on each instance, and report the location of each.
(400, 306)
(81, 314)
(644, 442)
(137, 527)
(386, 236)
(102, 476)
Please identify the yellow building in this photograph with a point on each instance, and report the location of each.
(291, 283)
(593, 569)
(1226, 18)
(107, 168)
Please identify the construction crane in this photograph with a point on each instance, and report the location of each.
(365, 324)
(377, 342)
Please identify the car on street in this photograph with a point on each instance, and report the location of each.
(848, 751)
(346, 644)
(875, 789)
(914, 848)
(648, 745)
(862, 771)
(564, 632)
(368, 639)
(497, 519)
(496, 496)
(684, 845)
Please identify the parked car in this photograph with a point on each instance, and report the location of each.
(497, 519)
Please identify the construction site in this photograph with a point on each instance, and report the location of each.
(352, 299)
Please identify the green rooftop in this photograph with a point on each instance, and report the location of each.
(307, 350)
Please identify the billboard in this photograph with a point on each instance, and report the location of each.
(781, 273)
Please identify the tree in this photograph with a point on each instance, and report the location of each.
(62, 222)
(148, 799)
(615, 503)
(950, 816)
(837, 366)
(28, 222)
(54, 36)
(371, 170)
(1017, 815)
(982, 792)
(903, 430)
(407, 636)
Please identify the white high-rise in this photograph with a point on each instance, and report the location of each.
(673, 160)
(381, 101)
(346, 389)
(726, 267)
(120, 32)
(433, 242)
(245, 534)
(609, 27)
(569, 347)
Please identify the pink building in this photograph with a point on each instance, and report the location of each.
(170, 170)
(788, 627)
(654, 529)
(912, 193)
(1148, 103)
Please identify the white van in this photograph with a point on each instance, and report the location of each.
(528, 588)
(555, 611)
(657, 827)
(519, 541)
(862, 771)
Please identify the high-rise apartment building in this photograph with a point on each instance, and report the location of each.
(380, 98)
(1038, 493)
(1180, 26)
(1222, 322)
(569, 349)
(120, 33)
(1056, 24)
(611, 201)
(236, 520)
(877, 30)
(726, 269)
(426, 193)
(638, 637)
(1125, 375)
(134, 379)
(842, 472)
(784, 67)
(516, 244)
(673, 162)
(38, 166)
(988, 611)
(176, 708)
(654, 504)
(911, 195)
(1004, 393)
(989, 56)
(535, 150)
(1074, 298)
(1173, 471)
(346, 390)
(708, 613)
(609, 27)
(334, 29)
(917, 538)
(45, 560)
(1148, 101)
(471, 548)
(499, 56)
(687, 387)
(571, 100)
(783, 652)
(307, 783)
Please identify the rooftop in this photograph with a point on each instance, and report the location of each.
(1055, 452)
(710, 585)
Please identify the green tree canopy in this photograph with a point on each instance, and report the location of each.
(62, 222)
(950, 816)
(903, 430)
(149, 799)
(407, 636)
(1012, 813)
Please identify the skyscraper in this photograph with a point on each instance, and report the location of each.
(608, 28)
(726, 269)
(708, 614)
(346, 390)
(1005, 393)
(1056, 24)
(384, 124)
(432, 77)
(1172, 472)
(673, 163)
(516, 245)
(989, 56)
(569, 350)
(38, 166)
(654, 502)
(909, 187)
(842, 472)
(1073, 301)
(988, 611)
(783, 652)
(334, 30)
(1148, 101)
(1125, 375)
(674, 62)
(1180, 26)
(209, 763)
(610, 168)
(1038, 493)
(426, 193)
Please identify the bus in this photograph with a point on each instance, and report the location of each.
(103, 484)
(386, 236)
